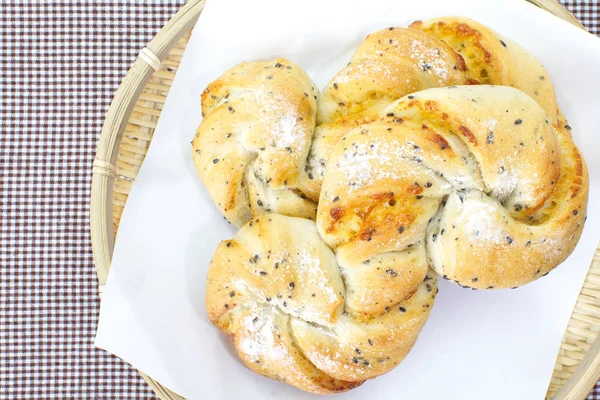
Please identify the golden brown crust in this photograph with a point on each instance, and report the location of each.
(498, 192)
(387, 65)
(482, 183)
(277, 289)
(492, 59)
(251, 147)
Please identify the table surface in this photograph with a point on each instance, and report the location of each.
(62, 62)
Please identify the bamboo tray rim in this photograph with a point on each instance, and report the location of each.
(149, 61)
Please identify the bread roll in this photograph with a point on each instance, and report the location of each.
(277, 289)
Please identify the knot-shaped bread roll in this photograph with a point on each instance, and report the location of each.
(395, 62)
(277, 289)
(251, 147)
(387, 65)
(477, 173)
(415, 158)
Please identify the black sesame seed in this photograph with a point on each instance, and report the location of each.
(390, 114)
(568, 127)
(231, 110)
(518, 207)
(366, 363)
(391, 272)
(402, 309)
(231, 294)
(255, 320)
(411, 97)
(434, 237)
(503, 44)
(354, 360)
(442, 231)
(542, 78)
(260, 203)
(216, 160)
(336, 198)
(575, 212)
(278, 65)
(291, 285)
(428, 184)
(285, 303)
(509, 239)
(518, 122)
(419, 197)
(263, 273)
(335, 85)
(490, 138)
(475, 279)
(288, 67)
(228, 244)
(428, 286)
(401, 229)
(528, 243)
(357, 351)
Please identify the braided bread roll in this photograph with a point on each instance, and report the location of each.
(493, 59)
(277, 289)
(387, 65)
(251, 147)
(477, 174)
(395, 62)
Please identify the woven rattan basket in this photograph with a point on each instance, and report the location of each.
(127, 133)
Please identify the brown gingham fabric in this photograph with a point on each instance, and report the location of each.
(60, 64)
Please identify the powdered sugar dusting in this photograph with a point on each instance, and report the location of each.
(280, 118)
(483, 223)
(367, 163)
(260, 341)
(361, 164)
(429, 59)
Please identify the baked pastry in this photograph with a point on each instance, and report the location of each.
(250, 169)
(252, 144)
(395, 62)
(477, 173)
(482, 183)
(277, 289)
(387, 65)
(493, 59)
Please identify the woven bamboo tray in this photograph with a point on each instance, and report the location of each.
(126, 135)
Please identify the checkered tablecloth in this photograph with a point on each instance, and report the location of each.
(60, 64)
